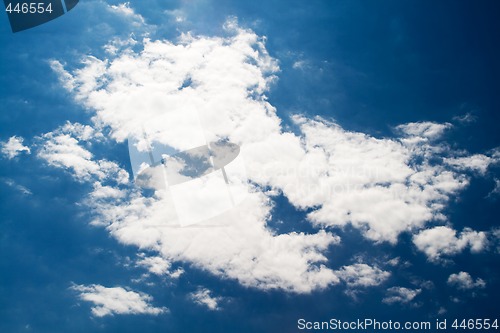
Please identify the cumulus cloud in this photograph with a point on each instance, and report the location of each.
(158, 266)
(106, 192)
(424, 129)
(203, 296)
(362, 275)
(128, 13)
(117, 300)
(13, 147)
(61, 149)
(236, 244)
(443, 241)
(464, 281)
(477, 162)
(400, 295)
(208, 89)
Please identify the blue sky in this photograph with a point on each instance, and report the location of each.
(369, 143)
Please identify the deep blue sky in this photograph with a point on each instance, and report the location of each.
(369, 65)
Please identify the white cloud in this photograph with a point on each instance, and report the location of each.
(236, 244)
(400, 295)
(203, 296)
(425, 129)
(375, 186)
(362, 275)
(463, 280)
(202, 89)
(158, 266)
(117, 300)
(60, 149)
(443, 241)
(63, 151)
(126, 11)
(13, 147)
(477, 162)
(106, 192)
(81, 132)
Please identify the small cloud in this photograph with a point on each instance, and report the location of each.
(464, 281)
(362, 275)
(423, 284)
(300, 64)
(441, 311)
(400, 295)
(203, 297)
(81, 132)
(397, 262)
(467, 118)
(117, 300)
(178, 15)
(425, 129)
(13, 147)
(496, 189)
(106, 192)
(159, 266)
(125, 10)
(443, 241)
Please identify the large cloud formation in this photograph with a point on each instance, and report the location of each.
(203, 89)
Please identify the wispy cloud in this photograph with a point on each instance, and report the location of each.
(22, 189)
(116, 300)
(467, 118)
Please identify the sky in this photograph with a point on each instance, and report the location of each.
(226, 166)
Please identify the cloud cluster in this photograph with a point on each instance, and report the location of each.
(117, 300)
(205, 89)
